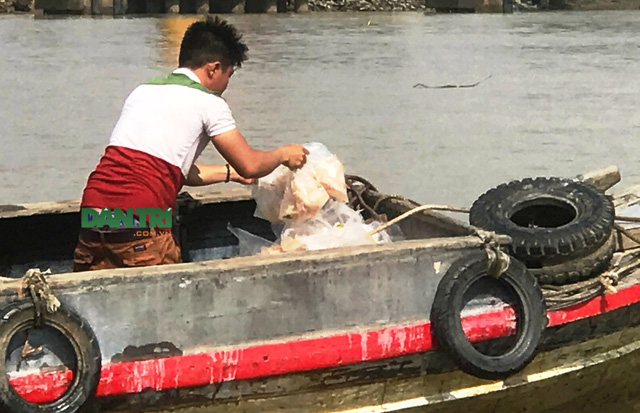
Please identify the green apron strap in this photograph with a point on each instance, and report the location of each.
(179, 79)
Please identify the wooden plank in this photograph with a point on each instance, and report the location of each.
(627, 196)
(602, 179)
(68, 206)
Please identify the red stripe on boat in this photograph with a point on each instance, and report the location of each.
(595, 306)
(300, 354)
(42, 387)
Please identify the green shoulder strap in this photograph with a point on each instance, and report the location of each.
(179, 79)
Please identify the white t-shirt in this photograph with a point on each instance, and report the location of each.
(172, 122)
(162, 130)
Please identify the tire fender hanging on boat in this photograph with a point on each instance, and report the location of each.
(529, 308)
(554, 223)
(19, 317)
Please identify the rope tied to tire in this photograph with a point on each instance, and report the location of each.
(356, 199)
(35, 284)
(609, 280)
(467, 278)
(497, 260)
(65, 332)
(622, 264)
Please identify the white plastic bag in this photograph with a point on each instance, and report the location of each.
(336, 225)
(303, 197)
(268, 193)
(327, 170)
(248, 243)
(309, 207)
(288, 195)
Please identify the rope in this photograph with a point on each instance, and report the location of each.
(497, 260)
(560, 296)
(565, 295)
(580, 292)
(357, 196)
(35, 283)
(352, 179)
(425, 207)
(393, 196)
(356, 178)
(556, 296)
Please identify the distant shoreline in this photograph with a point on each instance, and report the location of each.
(26, 7)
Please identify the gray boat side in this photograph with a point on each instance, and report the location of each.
(232, 301)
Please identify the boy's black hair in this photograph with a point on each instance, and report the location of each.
(212, 40)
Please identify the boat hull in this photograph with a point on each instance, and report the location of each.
(339, 330)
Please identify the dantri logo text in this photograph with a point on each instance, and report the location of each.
(117, 218)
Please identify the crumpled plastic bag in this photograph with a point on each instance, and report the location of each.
(336, 225)
(307, 209)
(268, 193)
(303, 197)
(248, 243)
(298, 195)
(327, 170)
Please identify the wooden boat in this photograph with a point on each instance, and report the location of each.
(338, 330)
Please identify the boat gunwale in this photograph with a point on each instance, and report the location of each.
(196, 270)
(73, 205)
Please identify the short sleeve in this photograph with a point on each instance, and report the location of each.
(218, 118)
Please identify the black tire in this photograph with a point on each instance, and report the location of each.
(572, 271)
(529, 307)
(547, 218)
(19, 317)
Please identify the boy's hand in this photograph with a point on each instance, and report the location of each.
(294, 156)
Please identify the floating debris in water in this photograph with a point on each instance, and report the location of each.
(423, 86)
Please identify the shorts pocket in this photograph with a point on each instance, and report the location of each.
(142, 253)
(83, 257)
